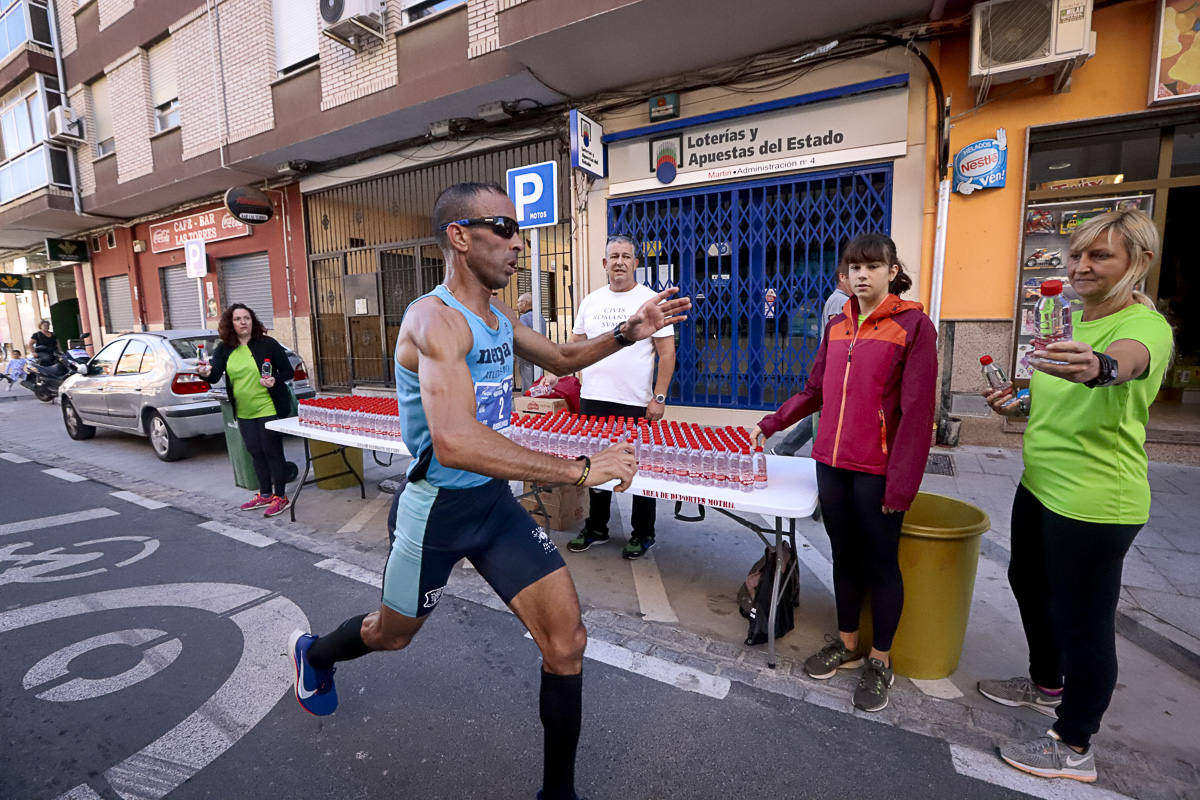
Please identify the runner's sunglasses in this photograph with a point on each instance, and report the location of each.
(504, 227)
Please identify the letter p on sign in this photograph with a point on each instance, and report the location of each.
(534, 191)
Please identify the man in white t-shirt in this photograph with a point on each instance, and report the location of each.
(623, 384)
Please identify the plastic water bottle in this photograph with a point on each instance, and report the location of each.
(745, 470)
(201, 356)
(1052, 317)
(760, 468)
(266, 368)
(992, 373)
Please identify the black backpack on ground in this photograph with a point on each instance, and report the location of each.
(754, 595)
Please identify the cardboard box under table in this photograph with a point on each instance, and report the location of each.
(562, 507)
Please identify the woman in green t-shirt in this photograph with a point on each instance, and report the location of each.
(257, 370)
(1084, 494)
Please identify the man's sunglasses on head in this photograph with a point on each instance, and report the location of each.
(504, 227)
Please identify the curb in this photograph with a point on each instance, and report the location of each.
(1161, 639)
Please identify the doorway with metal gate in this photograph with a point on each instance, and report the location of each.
(758, 260)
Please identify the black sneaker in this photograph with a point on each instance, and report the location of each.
(586, 538)
(637, 547)
(872, 691)
(825, 663)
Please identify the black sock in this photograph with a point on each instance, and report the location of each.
(561, 709)
(343, 644)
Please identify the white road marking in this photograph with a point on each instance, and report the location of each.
(989, 768)
(351, 571)
(651, 594)
(240, 534)
(55, 472)
(359, 520)
(54, 521)
(81, 792)
(137, 499)
(14, 458)
(58, 665)
(262, 676)
(677, 675)
(942, 689)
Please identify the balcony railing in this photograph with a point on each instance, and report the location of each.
(23, 21)
(44, 165)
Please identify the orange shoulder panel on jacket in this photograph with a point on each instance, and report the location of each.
(886, 330)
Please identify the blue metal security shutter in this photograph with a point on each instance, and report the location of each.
(731, 248)
(247, 279)
(118, 304)
(182, 297)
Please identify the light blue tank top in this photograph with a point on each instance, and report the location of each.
(491, 365)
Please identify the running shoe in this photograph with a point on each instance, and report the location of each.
(586, 538)
(1020, 691)
(278, 505)
(825, 663)
(258, 501)
(314, 687)
(1049, 757)
(872, 691)
(637, 547)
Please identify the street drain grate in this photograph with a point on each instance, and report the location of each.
(939, 464)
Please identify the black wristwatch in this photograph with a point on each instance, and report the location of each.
(619, 335)
(1108, 371)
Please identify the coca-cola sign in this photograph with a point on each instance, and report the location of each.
(208, 226)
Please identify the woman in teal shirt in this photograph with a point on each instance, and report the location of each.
(258, 395)
(1084, 494)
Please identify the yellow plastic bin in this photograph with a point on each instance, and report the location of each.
(939, 550)
(327, 462)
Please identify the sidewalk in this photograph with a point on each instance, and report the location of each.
(679, 603)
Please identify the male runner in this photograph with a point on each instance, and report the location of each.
(454, 364)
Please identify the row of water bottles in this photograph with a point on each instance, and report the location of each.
(680, 452)
(365, 416)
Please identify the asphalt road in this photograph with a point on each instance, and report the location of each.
(142, 655)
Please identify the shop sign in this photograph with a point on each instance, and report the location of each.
(66, 250)
(249, 205)
(982, 164)
(587, 147)
(664, 106)
(858, 127)
(1080, 183)
(15, 284)
(208, 226)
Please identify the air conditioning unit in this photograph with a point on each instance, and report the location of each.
(348, 21)
(1016, 39)
(62, 127)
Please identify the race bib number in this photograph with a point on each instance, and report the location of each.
(493, 403)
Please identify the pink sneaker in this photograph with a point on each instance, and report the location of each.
(258, 501)
(277, 505)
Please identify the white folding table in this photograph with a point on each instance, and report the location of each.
(791, 494)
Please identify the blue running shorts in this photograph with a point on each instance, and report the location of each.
(437, 527)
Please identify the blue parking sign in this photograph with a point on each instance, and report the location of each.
(534, 191)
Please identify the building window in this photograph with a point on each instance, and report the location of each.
(166, 116)
(296, 34)
(23, 21)
(95, 244)
(110, 240)
(26, 162)
(420, 9)
(102, 111)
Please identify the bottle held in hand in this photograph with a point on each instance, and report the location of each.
(266, 368)
(993, 374)
(1052, 317)
(201, 356)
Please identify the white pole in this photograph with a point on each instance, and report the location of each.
(535, 267)
(939, 253)
(203, 308)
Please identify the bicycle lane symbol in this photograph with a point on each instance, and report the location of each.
(39, 567)
(256, 684)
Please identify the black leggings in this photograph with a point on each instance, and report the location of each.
(266, 450)
(1066, 576)
(866, 546)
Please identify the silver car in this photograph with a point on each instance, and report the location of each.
(146, 384)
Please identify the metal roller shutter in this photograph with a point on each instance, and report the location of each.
(247, 279)
(118, 303)
(183, 299)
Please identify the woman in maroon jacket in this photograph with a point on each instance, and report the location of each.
(874, 377)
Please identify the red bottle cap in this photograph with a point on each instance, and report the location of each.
(985, 360)
(1051, 287)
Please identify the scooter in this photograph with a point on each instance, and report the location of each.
(45, 373)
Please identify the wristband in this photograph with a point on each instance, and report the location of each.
(619, 334)
(587, 468)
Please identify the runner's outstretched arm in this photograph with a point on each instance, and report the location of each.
(561, 359)
(440, 339)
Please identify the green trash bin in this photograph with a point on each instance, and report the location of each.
(939, 550)
(239, 456)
